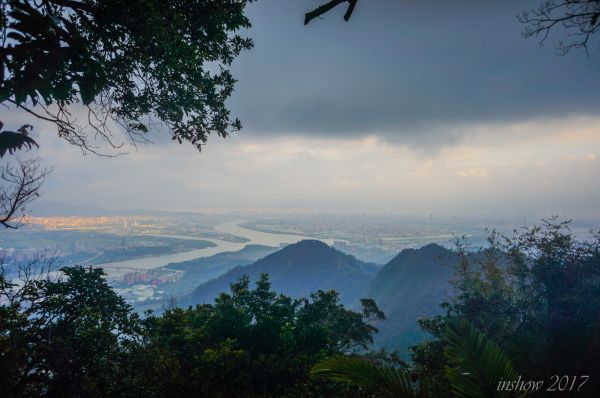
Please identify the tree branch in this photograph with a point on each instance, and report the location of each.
(20, 186)
(317, 12)
(580, 19)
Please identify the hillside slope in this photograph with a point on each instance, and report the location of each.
(411, 286)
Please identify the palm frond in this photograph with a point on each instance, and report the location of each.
(476, 364)
(391, 382)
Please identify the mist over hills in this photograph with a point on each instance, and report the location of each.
(298, 270)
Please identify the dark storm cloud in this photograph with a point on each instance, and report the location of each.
(403, 67)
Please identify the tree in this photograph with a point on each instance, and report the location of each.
(93, 68)
(20, 182)
(88, 66)
(74, 336)
(251, 343)
(537, 295)
(476, 364)
(63, 337)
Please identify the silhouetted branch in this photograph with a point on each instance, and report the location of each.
(317, 12)
(78, 134)
(580, 18)
(20, 186)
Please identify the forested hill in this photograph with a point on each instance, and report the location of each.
(411, 286)
(299, 269)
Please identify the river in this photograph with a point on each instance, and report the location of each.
(119, 268)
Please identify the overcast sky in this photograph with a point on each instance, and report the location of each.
(412, 106)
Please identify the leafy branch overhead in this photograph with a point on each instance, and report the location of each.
(95, 67)
(125, 63)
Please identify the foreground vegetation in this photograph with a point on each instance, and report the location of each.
(75, 337)
(527, 306)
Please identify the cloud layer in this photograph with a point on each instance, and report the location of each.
(412, 106)
(413, 72)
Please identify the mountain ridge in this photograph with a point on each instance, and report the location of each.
(299, 269)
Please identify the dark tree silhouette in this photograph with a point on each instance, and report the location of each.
(19, 185)
(536, 294)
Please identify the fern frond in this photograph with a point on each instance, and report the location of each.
(391, 382)
(476, 364)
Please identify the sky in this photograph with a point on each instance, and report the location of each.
(411, 106)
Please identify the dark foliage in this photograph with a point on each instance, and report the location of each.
(74, 337)
(126, 62)
(475, 364)
(11, 141)
(537, 295)
(62, 338)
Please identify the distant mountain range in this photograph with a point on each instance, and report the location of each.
(410, 286)
(298, 270)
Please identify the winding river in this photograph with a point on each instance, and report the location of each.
(118, 268)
